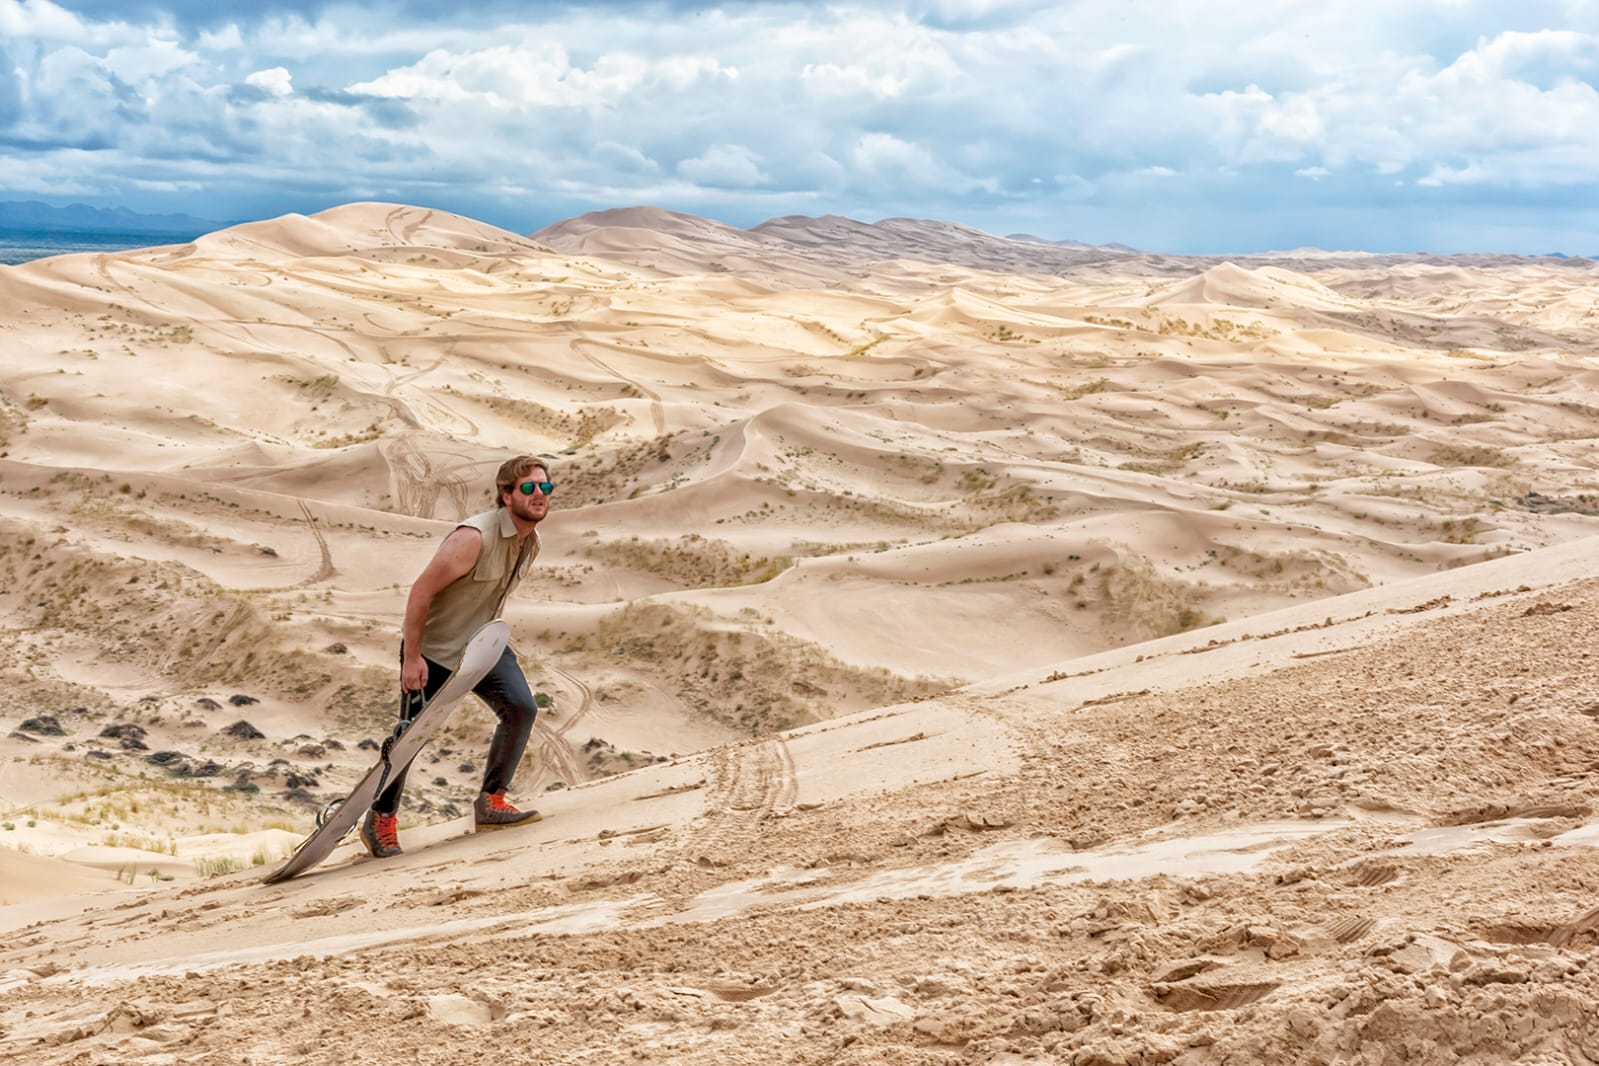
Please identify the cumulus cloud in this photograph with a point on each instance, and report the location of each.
(39, 19)
(275, 80)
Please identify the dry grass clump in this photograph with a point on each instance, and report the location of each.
(1145, 604)
(164, 616)
(126, 512)
(574, 429)
(366, 701)
(1220, 329)
(1469, 455)
(1017, 502)
(691, 561)
(1087, 388)
(13, 420)
(128, 801)
(621, 474)
(1164, 462)
(1308, 570)
(756, 680)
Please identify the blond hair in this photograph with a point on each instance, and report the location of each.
(513, 471)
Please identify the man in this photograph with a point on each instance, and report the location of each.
(462, 588)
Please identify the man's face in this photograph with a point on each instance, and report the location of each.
(529, 508)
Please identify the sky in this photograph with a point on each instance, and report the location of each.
(1183, 126)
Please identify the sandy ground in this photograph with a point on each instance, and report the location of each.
(958, 652)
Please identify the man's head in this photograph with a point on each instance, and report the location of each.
(513, 476)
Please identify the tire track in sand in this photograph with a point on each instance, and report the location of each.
(657, 407)
(418, 483)
(559, 760)
(750, 782)
(327, 569)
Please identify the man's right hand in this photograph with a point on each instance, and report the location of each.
(413, 673)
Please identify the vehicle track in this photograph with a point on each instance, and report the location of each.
(749, 783)
(418, 483)
(218, 633)
(559, 760)
(327, 569)
(657, 407)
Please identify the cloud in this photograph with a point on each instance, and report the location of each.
(148, 60)
(226, 39)
(1014, 111)
(39, 19)
(886, 157)
(724, 166)
(516, 77)
(10, 90)
(275, 80)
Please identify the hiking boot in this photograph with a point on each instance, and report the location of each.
(381, 834)
(493, 811)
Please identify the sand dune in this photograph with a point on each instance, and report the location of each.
(957, 648)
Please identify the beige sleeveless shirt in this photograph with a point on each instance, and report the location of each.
(475, 598)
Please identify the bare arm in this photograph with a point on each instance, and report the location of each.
(455, 558)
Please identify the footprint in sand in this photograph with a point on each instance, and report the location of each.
(1348, 930)
(1211, 996)
(455, 1009)
(1369, 873)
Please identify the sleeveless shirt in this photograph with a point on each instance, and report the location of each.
(476, 597)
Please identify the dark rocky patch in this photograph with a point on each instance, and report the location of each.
(45, 725)
(130, 735)
(1538, 503)
(181, 765)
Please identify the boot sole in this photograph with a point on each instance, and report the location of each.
(489, 827)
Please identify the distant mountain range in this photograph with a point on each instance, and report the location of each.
(823, 248)
(677, 243)
(81, 218)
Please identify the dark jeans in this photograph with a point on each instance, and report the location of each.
(505, 690)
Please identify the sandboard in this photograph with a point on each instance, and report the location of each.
(482, 652)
